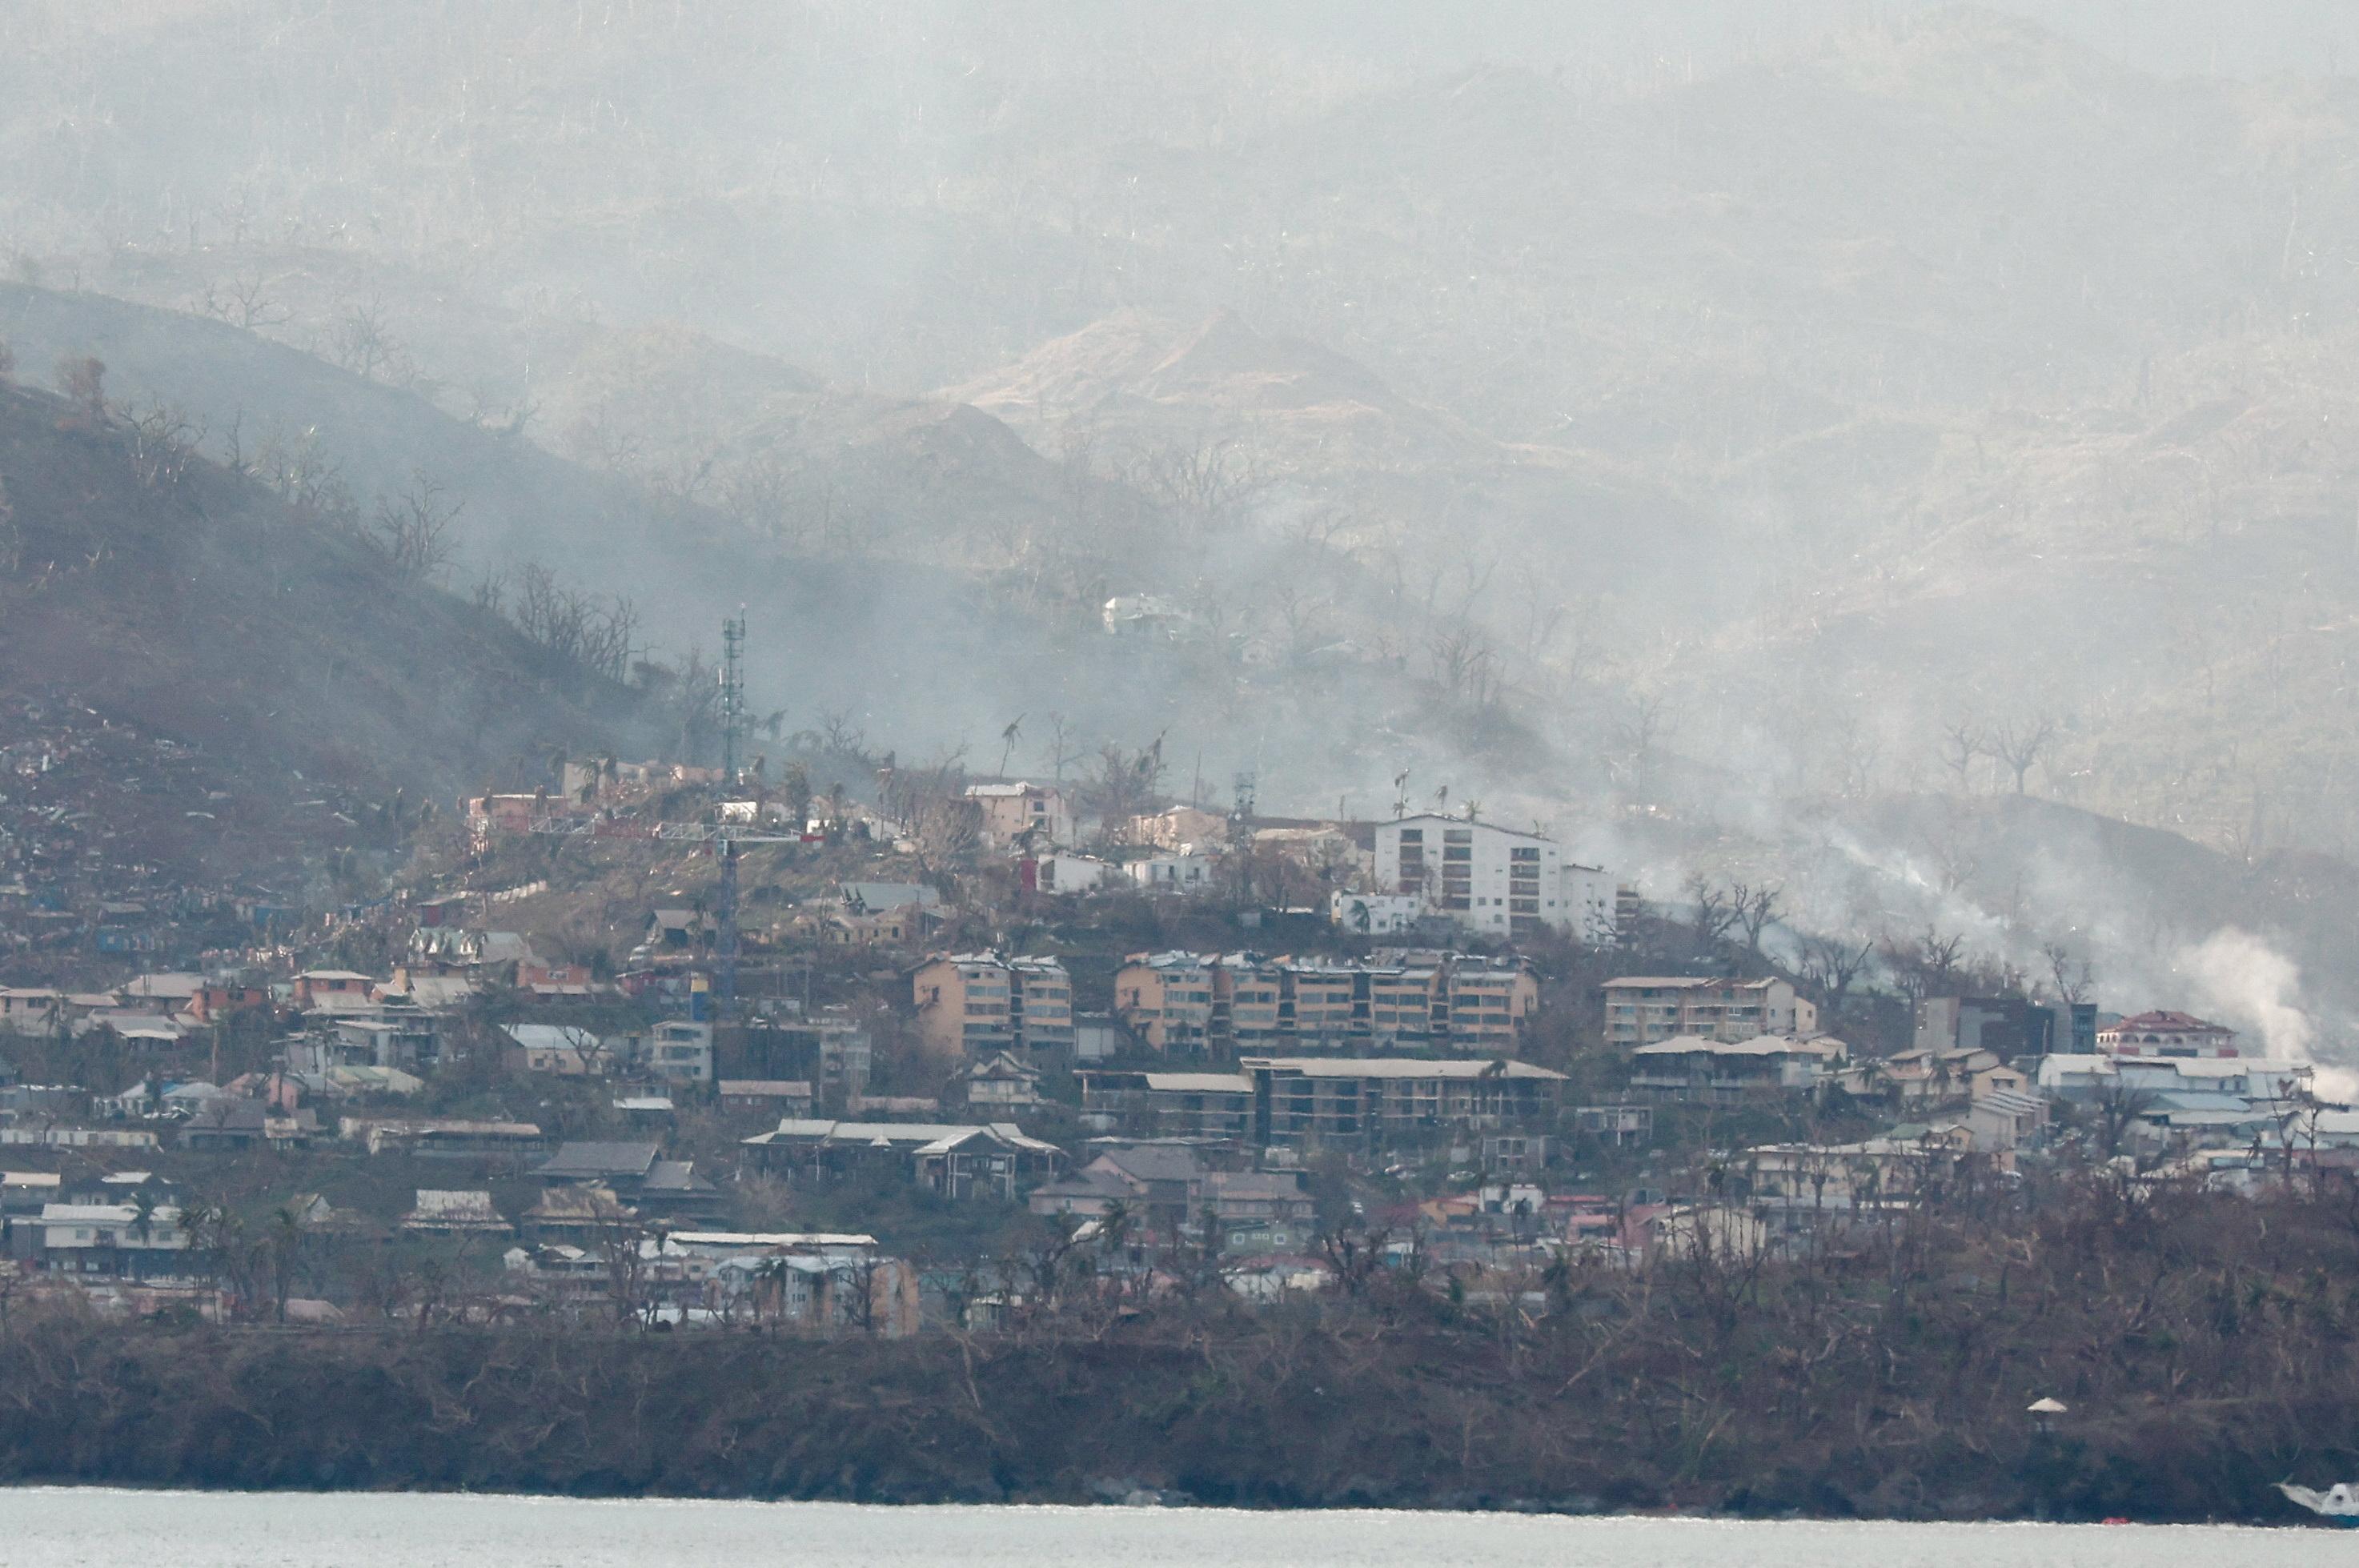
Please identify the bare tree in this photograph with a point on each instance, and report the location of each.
(7, 362)
(1961, 742)
(1127, 784)
(1061, 752)
(1635, 739)
(1755, 909)
(1829, 967)
(2073, 977)
(360, 342)
(243, 301)
(161, 442)
(1210, 481)
(2020, 744)
(1713, 913)
(412, 530)
(1925, 965)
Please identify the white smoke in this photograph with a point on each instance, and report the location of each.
(2245, 983)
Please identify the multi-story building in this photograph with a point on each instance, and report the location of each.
(1170, 1105)
(1040, 1004)
(1248, 1001)
(1368, 1106)
(1484, 1005)
(1016, 813)
(1319, 1001)
(1399, 1000)
(1494, 881)
(1166, 999)
(964, 1003)
(977, 1003)
(680, 1051)
(1642, 1010)
(2166, 1034)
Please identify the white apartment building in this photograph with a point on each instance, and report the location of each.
(1494, 880)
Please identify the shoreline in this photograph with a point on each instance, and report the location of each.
(1694, 1521)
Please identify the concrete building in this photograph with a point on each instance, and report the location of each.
(1398, 999)
(1165, 999)
(2166, 1034)
(1691, 1068)
(681, 1053)
(1022, 813)
(1372, 1104)
(978, 1003)
(1641, 1009)
(1216, 1107)
(1494, 880)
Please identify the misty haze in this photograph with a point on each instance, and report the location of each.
(1561, 756)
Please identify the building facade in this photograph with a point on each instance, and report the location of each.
(1642, 1010)
(1493, 880)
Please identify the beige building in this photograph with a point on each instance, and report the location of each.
(1037, 814)
(1167, 1000)
(1399, 1000)
(1642, 1010)
(977, 1003)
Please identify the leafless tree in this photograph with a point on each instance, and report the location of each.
(1712, 915)
(1061, 751)
(360, 342)
(1463, 664)
(581, 628)
(1209, 482)
(1126, 785)
(1756, 908)
(1637, 737)
(243, 301)
(412, 530)
(2073, 977)
(161, 442)
(1925, 965)
(1829, 967)
(7, 362)
(1961, 743)
(2020, 744)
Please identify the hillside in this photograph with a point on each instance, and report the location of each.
(233, 689)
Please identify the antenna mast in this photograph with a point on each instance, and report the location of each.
(732, 749)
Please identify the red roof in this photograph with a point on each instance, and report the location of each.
(2167, 1023)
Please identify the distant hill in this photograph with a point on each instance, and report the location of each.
(318, 697)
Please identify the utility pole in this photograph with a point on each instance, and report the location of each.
(1241, 835)
(733, 743)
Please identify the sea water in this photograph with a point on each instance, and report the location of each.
(57, 1526)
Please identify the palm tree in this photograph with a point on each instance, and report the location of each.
(142, 1217)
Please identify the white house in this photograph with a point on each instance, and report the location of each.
(1183, 872)
(1494, 880)
(1068, 873)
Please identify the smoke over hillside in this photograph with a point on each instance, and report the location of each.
(1903, 452)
